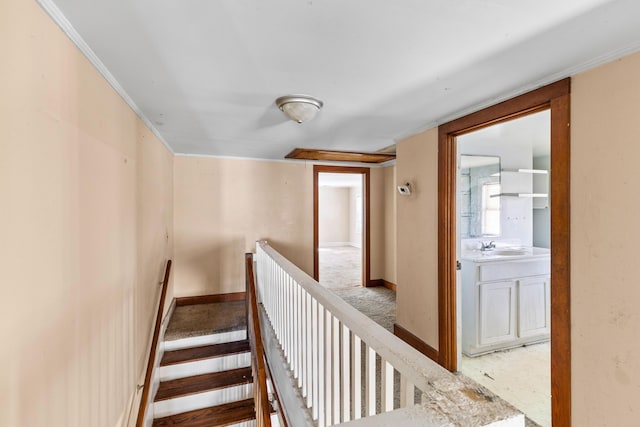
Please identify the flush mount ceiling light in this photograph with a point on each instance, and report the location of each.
(299, 108)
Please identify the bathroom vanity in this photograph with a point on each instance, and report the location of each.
(505, 299)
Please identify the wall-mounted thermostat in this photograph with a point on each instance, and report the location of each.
(405, 189)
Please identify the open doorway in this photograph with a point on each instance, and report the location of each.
(341, 226)
(503, 244)
(555, 98)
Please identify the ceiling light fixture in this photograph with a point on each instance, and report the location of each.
(299, 108)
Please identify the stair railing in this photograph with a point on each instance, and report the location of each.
(258, 368)
(332, 349)
(146, 389)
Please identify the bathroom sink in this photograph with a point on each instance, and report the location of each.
(509, 252)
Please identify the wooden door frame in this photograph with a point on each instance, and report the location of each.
(366, 232)
(556, 98)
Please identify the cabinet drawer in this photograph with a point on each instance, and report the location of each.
(512, 269)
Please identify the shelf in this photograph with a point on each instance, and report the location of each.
(530, 171)
(523, 195)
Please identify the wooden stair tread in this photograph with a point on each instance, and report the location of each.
(221, 415)
(204, 352)
(203, 383)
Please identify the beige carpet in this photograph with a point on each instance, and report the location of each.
(203, 319)
(377, 303)
(340, 266)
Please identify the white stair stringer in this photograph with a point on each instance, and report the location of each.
(165, 408)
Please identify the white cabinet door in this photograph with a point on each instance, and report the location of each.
(497, 312)
(534, 306)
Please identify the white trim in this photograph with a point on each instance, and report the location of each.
(567, 72)
(58, 17)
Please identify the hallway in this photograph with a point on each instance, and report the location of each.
(340, 267)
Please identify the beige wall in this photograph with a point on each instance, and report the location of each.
(376, 178)
(605, 293)
(604, 181)
(417, 236)
(222, 206)
(356, 216)
(154, 237)
(73, 162)
(333, 215)
(390, 192)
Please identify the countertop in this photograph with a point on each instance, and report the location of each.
(494, 255)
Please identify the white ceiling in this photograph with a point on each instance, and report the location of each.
(205, 73)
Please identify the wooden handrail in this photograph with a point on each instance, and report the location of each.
(154, 344)
(258, 368)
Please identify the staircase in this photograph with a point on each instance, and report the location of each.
(205, 381)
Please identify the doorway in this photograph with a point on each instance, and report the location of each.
(341, 226)
(555, 98)
(503, 247)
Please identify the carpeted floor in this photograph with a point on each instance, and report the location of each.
(340, 266)
(377, 303)
(203, 319)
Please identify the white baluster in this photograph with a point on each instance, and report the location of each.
(309, 351)
(371, 381)
(346, 374)
(276, 306)
(386, 375)
(303, 342)
(356, 362)
(299, 333)
(336, 371)
(328, 358)
(406, 392)
(314, 358)
(321, 367)
(290, 320)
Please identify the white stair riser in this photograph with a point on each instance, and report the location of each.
(165, 408)
(205, 340)
(275, 422)
(216, 364)
(251, 423)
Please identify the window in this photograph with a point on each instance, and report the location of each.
(491, 209)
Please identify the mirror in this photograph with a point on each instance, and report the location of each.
(479, 196)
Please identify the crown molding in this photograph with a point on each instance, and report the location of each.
(290, 161)
(58, 17)
(614, 55)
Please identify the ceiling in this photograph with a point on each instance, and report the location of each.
(205, 73)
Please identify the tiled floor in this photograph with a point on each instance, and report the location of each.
(521, 376)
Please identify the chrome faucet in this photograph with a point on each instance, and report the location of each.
(487, 246)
